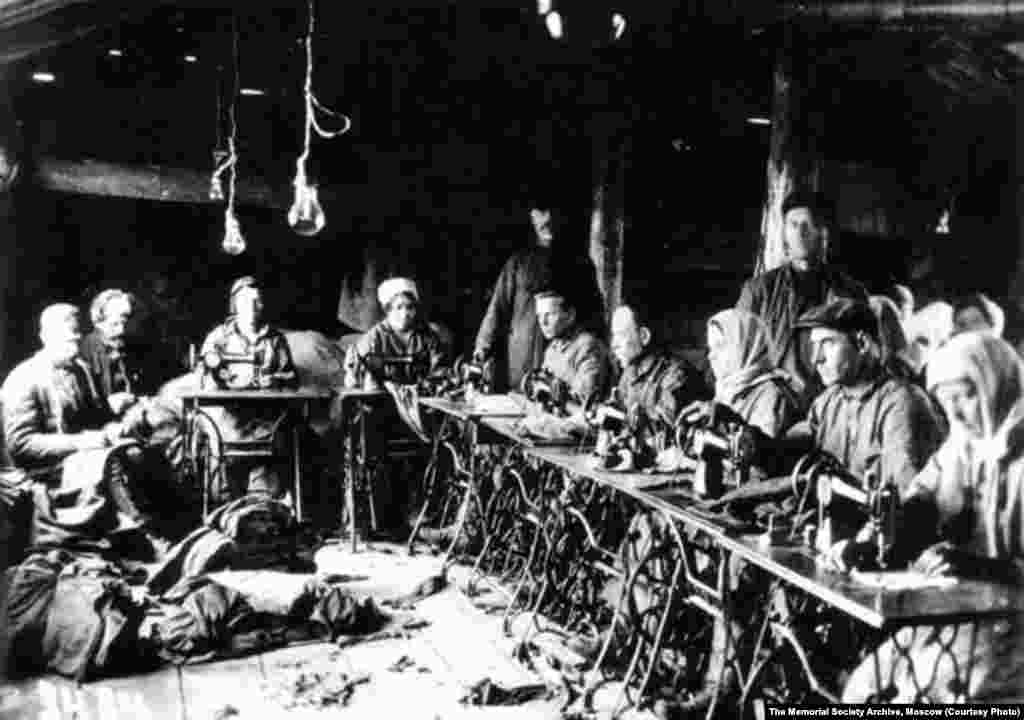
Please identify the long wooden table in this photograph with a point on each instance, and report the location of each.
(793, 565)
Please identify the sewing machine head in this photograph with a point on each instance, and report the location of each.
(231, 371)
(844, 501)
(724, 452)
(465, 378)
(399, 369)
(542, 387)
(625, 439)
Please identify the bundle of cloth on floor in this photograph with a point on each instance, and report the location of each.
(86, 615)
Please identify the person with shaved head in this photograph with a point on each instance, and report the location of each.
(61, 433)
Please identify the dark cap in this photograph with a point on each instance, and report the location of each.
(844, 315)
(817, 203)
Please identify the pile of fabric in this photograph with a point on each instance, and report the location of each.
(84, 615)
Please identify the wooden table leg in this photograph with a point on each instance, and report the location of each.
(297, 460)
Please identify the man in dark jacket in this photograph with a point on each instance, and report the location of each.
(805, 281)
(123, 368)
(509, 332)
(651, 378)
(61, 432)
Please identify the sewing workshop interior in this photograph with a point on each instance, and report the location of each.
(557, 359)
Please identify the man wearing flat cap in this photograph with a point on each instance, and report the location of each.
(865, 417)
(806, 280)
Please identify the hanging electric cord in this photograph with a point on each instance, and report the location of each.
(234, 242)
(306, 216)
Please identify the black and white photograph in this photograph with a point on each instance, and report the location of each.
(493, 359)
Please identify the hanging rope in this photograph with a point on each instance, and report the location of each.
(234, 242)
(312, 105)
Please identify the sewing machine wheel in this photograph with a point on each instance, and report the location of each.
(205, 453)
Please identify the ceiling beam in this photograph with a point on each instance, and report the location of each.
(28, 27)
(905, 13)
(149, 182)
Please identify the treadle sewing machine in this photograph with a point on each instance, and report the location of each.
(722, 449)
(220, 370)
(842, 497)
(625, 440)
(551, 394)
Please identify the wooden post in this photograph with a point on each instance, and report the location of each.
(1017, 281)
(10, 160)
(607, 222)
(794, 157)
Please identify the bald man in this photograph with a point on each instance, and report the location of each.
(60, 431)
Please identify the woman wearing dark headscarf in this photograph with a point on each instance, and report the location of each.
(740, 352)
(971, 495)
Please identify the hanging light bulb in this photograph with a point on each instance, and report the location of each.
(553, 20)
(234, 241)
(306, 216)
(618, 26)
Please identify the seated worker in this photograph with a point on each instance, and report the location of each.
(266, 358)
(123, 368)
(865, 415)
(578, 362)
(245, 353)
(748, 389)
(740, 352)
(508, 333)
(650, 377)
(573, 355)
(966, 511)
(401, 334)
(94, 483)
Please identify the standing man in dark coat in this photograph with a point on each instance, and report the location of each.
(806, 280)
(509, 332)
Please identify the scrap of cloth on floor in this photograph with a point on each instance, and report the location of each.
(488, 692)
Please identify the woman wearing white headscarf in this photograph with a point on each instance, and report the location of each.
(740, 352)
(972, 494)
(402, 332)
